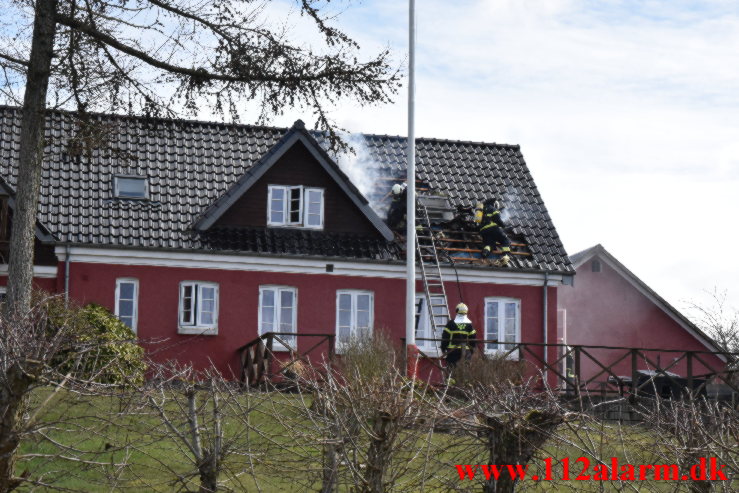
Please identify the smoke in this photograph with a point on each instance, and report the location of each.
(512, 203)
(363, 170)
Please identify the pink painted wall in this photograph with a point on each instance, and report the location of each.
(238, 306)
(605, 309)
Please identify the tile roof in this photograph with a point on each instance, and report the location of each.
(190, 164)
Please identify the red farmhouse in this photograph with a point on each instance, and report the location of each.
(202, 236)
(610, 306)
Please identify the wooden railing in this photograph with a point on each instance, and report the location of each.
(641, 379)
(258, 357)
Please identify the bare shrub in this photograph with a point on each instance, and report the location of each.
(372, 424)
(205, 419)
(52, 351)
(493, 371)
(695, 430)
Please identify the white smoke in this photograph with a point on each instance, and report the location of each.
(511, 202)
(362, 169)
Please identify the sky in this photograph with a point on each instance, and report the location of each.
(627, 113)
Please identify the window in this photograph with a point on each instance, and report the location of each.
(3, 293)
(126, 301)
(295, 206)
(130, 187)
(595, 266)
(278, 313)
(424, 329)
(502, 323)
(198, 308)
(354, 314)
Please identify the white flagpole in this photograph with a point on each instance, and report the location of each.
(410, 249)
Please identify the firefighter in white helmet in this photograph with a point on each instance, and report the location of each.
(396, 213)
(458, 338)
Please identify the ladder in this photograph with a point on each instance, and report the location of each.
(433, 284)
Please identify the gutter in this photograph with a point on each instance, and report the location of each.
(545, 320)
(66, 274)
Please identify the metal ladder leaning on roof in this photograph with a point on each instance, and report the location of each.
(433, 283)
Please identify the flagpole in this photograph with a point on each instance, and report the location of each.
(410, 249)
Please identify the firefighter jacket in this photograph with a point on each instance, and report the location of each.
(491, 218)
(458, 336)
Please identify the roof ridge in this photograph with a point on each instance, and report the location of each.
(159, 119)
(212, 123)
(440, 140)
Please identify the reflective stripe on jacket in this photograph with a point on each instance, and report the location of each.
(457, 336)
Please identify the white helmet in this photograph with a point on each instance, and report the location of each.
(462, 309)
(397, 189)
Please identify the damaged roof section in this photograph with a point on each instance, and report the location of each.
(192, 166)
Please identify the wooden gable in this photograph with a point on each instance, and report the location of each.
(297, 166)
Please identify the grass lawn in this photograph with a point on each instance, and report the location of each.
(97, 444)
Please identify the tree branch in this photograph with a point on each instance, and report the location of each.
(200, 73)
(11, 59)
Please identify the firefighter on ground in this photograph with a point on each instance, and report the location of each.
(458, 338)
(396, 213)
(487, 215)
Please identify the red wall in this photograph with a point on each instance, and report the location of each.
(238, 306)
(605, 309)
(45, 283)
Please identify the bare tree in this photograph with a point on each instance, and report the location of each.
(374, 427)
(51, 348)
(718, 320)
(697, 431)
(117, 55)
(207, 419)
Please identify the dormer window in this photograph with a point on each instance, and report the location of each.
(296, 206)
(130, 187)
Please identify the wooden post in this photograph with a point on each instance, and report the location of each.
(268, 355)
(689, 357)
(634, 376)
(331, 351)
(577, 370)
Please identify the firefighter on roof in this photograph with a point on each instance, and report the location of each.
(458, 338)
(487, 215)
(396, 213)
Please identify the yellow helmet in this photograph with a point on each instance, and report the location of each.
(462, 309)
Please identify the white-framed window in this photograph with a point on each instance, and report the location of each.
(127, 301)
(502, 323)
(278, 312)
(295, 206)
(354, 315)
(131, 187)
(198, 309)
(424, 328)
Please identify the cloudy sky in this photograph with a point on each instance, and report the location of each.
(627, 113)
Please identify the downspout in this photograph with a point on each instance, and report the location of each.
(545, 322)
(66, 274)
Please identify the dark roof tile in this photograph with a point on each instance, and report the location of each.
(190, 164)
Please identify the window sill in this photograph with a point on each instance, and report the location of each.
(295, 226)
(200, 331)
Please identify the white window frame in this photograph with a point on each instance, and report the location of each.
(135, 315)
(195, 324)
(422, 324)
(117, 190)
(302, 221)
(500, 347)
(306, 208)
(278, 290)
(354, 293)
